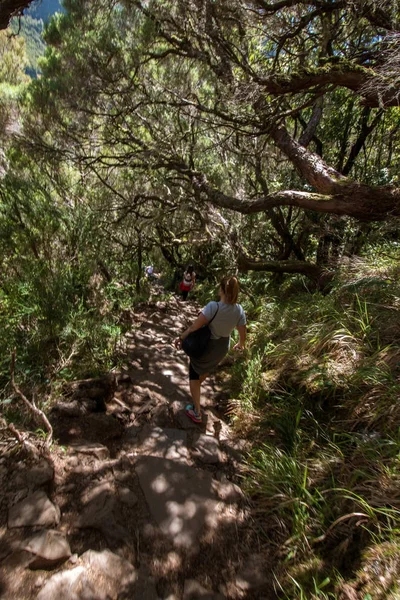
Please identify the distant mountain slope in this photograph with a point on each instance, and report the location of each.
(30, 27)
(44, 9)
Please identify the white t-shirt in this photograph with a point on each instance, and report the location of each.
(228, 317)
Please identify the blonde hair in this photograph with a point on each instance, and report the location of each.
(230, 287)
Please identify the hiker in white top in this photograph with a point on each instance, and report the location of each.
(230, 315)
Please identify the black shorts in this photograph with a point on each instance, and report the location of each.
(193, 376)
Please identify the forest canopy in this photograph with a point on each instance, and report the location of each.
(286, 113)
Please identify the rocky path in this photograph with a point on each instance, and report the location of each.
(137, 501)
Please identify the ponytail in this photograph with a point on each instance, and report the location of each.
(230, 287)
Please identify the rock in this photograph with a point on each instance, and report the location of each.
(227, 491)
(103, 427)
(207, 449)
(39, 582)
(72, 462)
(180, 498)
(127, 496)
(236, 449)
(36, 509)
(194, 591)
(97, 387)
(113, 575)
(131, 434)
(40, 473)
(70, 585)
(124, 379)
(184, 422)
(90, 448)
(49, 547)
(100, 576)
(17, 560)
(70, 409)
(253, 574)
(122, 476)
(145, 588)
(36, 475)
(166, 443)
(18, 496)
(98, 513)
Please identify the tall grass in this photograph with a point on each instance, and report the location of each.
(319, 399)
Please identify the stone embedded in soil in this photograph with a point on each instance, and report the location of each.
(127, 496)
(180, 498)
(16, 561)
(206, 449)
(112, 574)
(227, 491)
(184, 422)
(100, 426)
(194, 591)
(49, 547)
(145, 588)
(99, 513)
(40, 473)
(75, 409)
(70, 585)
(165, 443)
(253, 574)
(35, 475)
(99, 576)
(36, 509)
(90, 448)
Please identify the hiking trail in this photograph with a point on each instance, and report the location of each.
(136, 501)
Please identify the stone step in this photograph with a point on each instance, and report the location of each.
(180, 498)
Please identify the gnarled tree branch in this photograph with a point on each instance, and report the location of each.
(37, 414)
(9, 9)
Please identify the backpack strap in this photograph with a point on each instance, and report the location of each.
(215, 314)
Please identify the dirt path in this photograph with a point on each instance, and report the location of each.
(139, 502)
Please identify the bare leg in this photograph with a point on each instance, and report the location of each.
(195, 385)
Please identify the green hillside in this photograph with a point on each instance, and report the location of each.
(30, 27)
(44, 9)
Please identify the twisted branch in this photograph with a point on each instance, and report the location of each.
(37, 414)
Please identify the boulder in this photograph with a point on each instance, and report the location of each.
(49, 549)
(206, 449)
(70, 585)
(180, 498)
(35, 509)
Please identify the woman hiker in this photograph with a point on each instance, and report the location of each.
(187, 284)
(223, 317)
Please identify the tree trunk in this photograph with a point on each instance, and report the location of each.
(317, 274)
(10, 8)
(139, 263)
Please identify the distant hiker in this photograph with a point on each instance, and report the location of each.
(149, 271)
(223, 317)
(187, 284)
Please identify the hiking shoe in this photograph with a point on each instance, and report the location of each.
(192, 414)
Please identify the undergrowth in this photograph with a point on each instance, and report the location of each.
(317, 394)
(61, 336)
